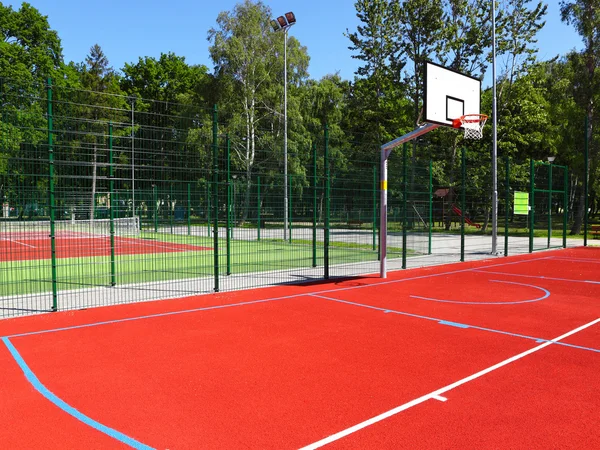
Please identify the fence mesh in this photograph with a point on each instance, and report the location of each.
(109, 199)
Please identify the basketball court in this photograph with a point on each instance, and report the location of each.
(497, 353)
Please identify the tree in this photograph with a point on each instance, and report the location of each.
(377, 87)
(420, 38)
(29, 49)
(169, 99)
(30, 52)
(584, 15)
(98, 79)
(248, 64)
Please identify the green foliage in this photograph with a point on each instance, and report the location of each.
(29, 49)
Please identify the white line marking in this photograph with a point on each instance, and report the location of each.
(440, 398)
(593, 261)
(541, 277)
(17, 242)
(434, 394)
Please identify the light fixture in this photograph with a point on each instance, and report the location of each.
(551, 159)
(290, 17)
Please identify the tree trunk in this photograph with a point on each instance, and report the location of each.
(578, 222)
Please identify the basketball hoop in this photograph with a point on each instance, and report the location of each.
(472, 124)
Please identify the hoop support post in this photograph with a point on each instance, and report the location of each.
(386, 149)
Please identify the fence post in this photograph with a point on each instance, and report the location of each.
(404, 200)
(586, 177)
(463, 203)
(290, 218)
(171, 207)
(215, 196)
(189, 208)
(374, 227)
(52, 199)
(111, 187)
(430, 206)
(506, 205)
(531, 202)
(155, 207)
(327, 205)
(229, 231)
(314, 186)
(565, 206)
(550, 192)
(208, 207)
(258, 208)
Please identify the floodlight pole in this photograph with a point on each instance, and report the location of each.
(285, 137)
(283, 24)
(494, 139)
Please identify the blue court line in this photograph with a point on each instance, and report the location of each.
(444, 322)
(540, 277)
(545, 296)
(453, 324)
(35, 382)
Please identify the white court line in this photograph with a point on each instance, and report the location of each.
(540, 277)
(440, 398)
(435, 394)
(17, 242)
(560, 258)
(429, 275)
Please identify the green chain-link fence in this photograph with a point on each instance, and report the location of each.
(109, 199)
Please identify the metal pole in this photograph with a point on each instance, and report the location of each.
(189, 209)
(258, 208)
(531, 203)
(506, 205)
(314, 186)
(327, 206)
(111, 206)
(285, 138)
(52, 199)
(229, 232)
(586, 178)
(374, 227)
(155, 207)
(494, 138)
(132, 159)
(429, 234)
(463, 203)
(215, 199)
(550, 207)
(383, 214)
(565, 206)
(404, 201)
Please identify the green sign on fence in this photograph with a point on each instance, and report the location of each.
(522, 203)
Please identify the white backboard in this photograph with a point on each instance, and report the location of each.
(449, 95)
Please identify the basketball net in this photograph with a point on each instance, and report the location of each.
(472, 124)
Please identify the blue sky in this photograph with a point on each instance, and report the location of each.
(128, 29)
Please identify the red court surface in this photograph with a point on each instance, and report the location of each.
(28, 248)
(494, 354)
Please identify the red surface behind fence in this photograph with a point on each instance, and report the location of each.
(26, 249)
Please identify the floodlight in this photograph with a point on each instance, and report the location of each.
(551, 159)
(275, 25)
(290, 17)
(282, 21)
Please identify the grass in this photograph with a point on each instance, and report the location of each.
(34, 276)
